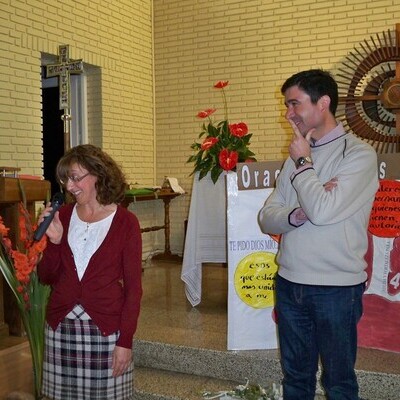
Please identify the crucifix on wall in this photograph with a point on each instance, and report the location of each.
(63, 69)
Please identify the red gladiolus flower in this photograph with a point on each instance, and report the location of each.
(38, 246)
(22, 266)
(19, 265)
(238, 130)
(7, 244)
(22, 278)
(33, 258)
(23, 233)
(221, 84)
(206, 113)
(19, 258)
(209, 142)
(228, 159)
(25, 226)
(3, 229)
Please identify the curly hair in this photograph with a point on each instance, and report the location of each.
(111, 183)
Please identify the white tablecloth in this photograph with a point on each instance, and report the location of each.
(206, 233)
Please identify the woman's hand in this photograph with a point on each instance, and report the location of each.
(55, 230)
(122, 359)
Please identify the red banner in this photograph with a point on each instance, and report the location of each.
(380, 324)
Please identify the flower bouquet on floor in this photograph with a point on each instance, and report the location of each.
(224, 144)
(249, 391)
(18, 266)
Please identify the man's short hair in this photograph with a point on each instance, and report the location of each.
(316, 83)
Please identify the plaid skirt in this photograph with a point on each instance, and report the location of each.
(77, 364)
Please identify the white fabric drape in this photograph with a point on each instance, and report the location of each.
(206, 233)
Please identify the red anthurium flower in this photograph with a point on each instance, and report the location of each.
(206, 113)
(233, 139)
(209, 142)
(238, 130)
(228, 159)
(221, 84)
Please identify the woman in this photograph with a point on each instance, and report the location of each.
(93, 264)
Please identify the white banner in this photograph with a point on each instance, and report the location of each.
(251, 271)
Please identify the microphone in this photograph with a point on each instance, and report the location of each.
(56, 203)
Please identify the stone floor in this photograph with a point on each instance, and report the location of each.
(167, 317)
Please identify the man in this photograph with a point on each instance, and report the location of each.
(321, 206)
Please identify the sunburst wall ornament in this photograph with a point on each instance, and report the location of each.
(369, 91)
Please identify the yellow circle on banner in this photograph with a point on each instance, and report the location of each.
(255, 279)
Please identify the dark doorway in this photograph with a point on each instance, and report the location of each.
(53, 135)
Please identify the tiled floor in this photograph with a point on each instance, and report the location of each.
(168, 317)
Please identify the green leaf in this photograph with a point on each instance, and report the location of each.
(223, 125)
(202, 174)
(11, 280)
(202, 133)
(215, 173)
(212, 130)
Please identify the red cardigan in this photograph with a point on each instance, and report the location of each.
(110, 290)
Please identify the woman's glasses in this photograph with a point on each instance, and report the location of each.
(74, 179)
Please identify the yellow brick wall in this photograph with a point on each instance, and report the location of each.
(116, 37)
(256, 45)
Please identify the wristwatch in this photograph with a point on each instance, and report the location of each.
(303, 161)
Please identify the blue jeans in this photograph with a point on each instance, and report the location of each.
(318, 321)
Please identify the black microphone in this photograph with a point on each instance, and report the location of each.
(56, 203)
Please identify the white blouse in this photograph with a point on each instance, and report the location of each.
(85, 238)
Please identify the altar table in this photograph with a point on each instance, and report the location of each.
(166, 197)
(206, 233)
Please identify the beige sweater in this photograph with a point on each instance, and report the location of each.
(329, 248)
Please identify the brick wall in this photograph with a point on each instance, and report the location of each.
(114, 37)
(256, 45)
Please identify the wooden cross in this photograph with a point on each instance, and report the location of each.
(63, 70)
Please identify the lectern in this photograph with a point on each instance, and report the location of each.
(10, 196)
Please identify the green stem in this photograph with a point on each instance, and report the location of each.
(34, 320)
(225, 104)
